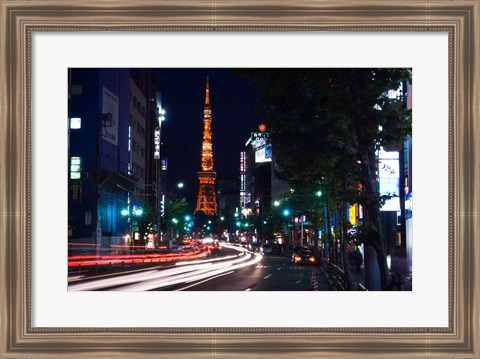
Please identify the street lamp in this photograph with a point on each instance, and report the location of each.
(132, 211)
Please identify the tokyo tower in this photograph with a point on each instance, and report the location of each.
(206, 198)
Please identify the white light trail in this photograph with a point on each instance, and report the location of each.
(184, 273)
(214, 270)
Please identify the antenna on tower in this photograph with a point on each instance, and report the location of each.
(207, 93)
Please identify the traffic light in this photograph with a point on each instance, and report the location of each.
(137, 211)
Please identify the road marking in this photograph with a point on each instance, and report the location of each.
(203, 281)
(268, 276)
(279, 268)
(248, 290)
(298, 281)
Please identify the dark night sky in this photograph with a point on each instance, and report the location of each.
(233, 102)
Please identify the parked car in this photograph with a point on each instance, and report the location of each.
(266, 249)
(303, 255)
(254, 247)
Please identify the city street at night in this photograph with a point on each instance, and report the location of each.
(235, 269)
(218, 179)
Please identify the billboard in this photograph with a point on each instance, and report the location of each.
(262, 147)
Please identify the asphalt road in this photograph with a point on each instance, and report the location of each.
(231, 269)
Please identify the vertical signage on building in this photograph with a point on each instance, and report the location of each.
(242, 171)
(242, 179)
(76, 191)
(110, 105)
(156, 151)
(75, 167)
(389, 177)
(353, 215)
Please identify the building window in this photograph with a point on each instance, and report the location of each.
(75, 123)
(75, 167)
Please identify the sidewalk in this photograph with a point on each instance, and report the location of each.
(358, 279)
(359, 282)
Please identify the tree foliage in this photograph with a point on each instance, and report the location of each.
(326, 126)
(174, 209)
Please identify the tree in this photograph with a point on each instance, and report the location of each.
(326, 126)
(174, 212)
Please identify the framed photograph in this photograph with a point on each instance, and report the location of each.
(40, 41)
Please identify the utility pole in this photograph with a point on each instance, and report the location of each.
(104, 120)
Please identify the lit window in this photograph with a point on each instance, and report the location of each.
(75, 123)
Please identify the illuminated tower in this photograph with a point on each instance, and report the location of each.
(206, 198)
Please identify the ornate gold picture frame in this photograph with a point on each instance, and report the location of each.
(21, 19)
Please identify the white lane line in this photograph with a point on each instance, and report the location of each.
(268, 276)
(298, 281)
(279, 268)
(248, 290)
(203, 281)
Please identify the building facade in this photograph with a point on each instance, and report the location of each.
(109, 171)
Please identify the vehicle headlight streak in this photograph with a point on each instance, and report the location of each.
(213, 271)
(207, 260)
(184, 273)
